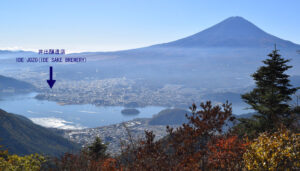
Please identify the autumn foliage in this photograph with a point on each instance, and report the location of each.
(225, 152)
(31, 162)
(200, 144)
(189, 147)
(110, 164)
(276, 151)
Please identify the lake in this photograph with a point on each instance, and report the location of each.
(51, 114)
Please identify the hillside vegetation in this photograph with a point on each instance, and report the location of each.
(21, 136)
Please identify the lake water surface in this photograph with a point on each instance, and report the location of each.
(51, 114)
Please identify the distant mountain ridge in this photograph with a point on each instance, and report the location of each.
(21, 136)
(11, 85)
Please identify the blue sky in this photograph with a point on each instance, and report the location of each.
(96, 25)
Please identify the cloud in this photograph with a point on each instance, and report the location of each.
(16, 48)
(59, 123)
(84, 111)
(29, 111)
(55, 111)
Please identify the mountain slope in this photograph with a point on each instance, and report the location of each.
(178, 117)
(170, 117)
(21, 136)
(232, 32)
(16, 85)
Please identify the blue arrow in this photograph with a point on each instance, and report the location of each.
(51, 81)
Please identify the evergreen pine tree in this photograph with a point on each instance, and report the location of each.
(97, 150)
(270, 97)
